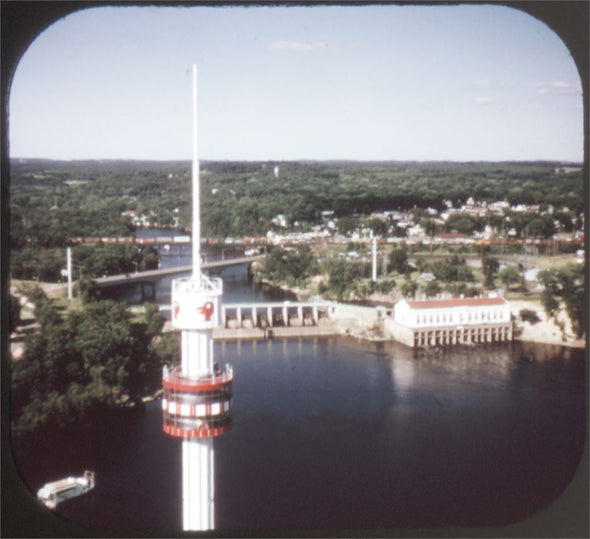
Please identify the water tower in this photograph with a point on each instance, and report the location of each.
(197, 400)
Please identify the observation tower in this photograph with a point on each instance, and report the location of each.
(197, 400)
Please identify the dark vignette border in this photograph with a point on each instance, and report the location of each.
(22, 516)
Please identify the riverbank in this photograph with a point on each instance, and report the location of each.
(555, 331)
(546, 330)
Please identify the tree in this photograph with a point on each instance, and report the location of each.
(409, 288)
(112, 259)
(452, 269)
(341, 278)
(293, 266)
(565, 284)
(154, 320)
(428, 225)
(148, 258)
(541, 226)
(347, 225)
(377, 226)
(510, 276)
(167, 348)
(528, 315)
(551, 290)
(432, 289)
(384, 286)
(86, 361)
(398, 260)
(463, 223)
(489, 266)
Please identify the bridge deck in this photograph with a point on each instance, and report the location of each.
(150, 275)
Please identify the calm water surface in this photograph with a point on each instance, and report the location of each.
(329, 433)
(334, 433)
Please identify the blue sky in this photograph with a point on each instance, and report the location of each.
(279, 83)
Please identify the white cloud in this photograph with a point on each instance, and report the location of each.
(558, 87)
(483, 100)
(297, 46)
(481, 83)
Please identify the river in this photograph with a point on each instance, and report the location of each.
(335, 433)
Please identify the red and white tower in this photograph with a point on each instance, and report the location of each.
(197, 401)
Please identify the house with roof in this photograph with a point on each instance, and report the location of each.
(454, 321)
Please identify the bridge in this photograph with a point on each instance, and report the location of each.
(149, 276)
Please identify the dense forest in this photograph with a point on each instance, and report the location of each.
(84, 362)
(54, 202)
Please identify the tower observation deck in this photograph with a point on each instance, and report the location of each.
(197, 399)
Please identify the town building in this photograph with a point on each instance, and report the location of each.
(450, 321)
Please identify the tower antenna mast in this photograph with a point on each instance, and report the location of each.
(196, 188)
(197, 397)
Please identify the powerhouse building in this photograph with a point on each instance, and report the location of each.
(450, 321)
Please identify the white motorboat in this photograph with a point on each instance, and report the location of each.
(57, 491)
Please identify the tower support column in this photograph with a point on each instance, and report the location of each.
(198, 487)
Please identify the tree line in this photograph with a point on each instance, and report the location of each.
(90, 261)
(345, 279)
(83, 363)
(52, 201)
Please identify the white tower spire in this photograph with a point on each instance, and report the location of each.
(196, 187)
(197, 400)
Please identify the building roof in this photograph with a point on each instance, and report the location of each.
(456, 302)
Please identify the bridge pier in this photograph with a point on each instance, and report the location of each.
(150, 295)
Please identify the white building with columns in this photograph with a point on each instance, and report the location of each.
(450, 321)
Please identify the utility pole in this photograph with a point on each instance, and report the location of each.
(69, 270)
